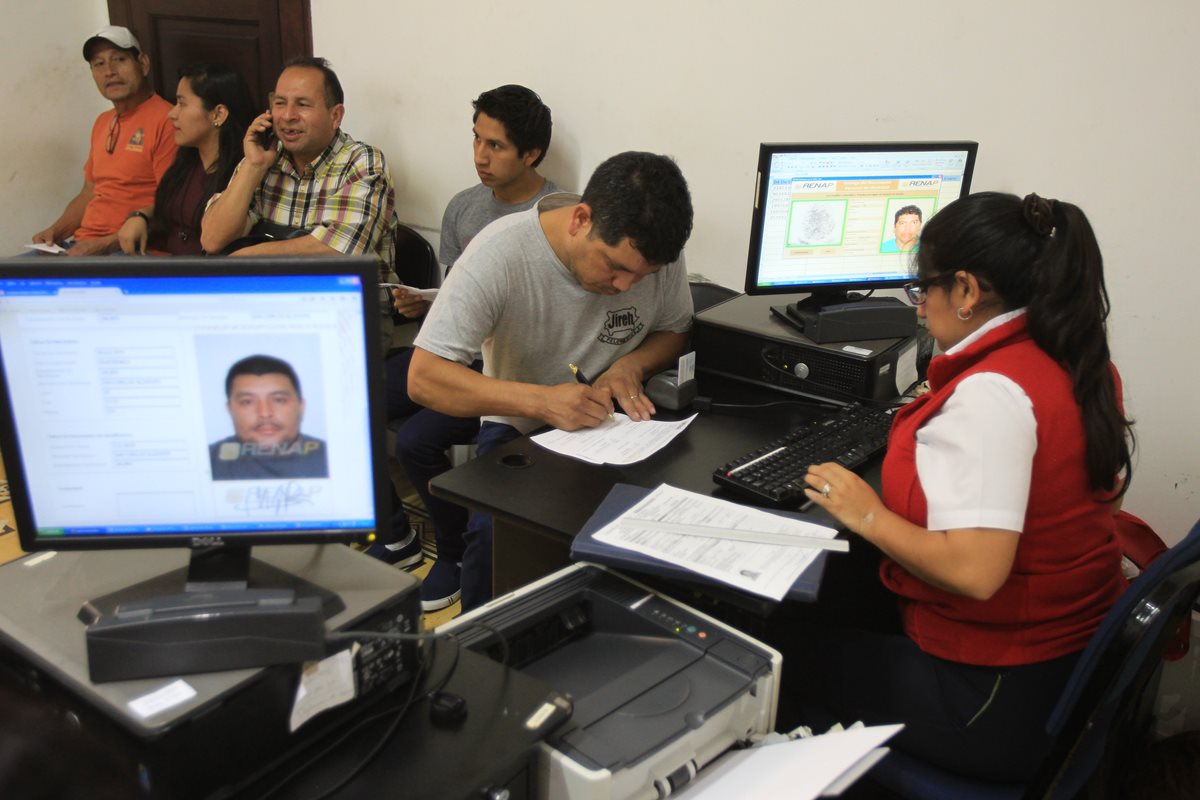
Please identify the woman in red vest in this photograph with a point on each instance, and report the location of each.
(999, 489)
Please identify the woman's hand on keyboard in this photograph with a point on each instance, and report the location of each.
(845, 495)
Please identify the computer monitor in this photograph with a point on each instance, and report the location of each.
(201, 403)
(831, 218)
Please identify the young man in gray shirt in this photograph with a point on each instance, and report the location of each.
(511, 129)
(590, 280)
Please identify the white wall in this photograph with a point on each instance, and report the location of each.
(50, 103)
(1086, 100)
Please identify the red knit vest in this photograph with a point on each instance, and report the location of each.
(1067, 570)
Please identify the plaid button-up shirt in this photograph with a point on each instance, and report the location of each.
(344, 196)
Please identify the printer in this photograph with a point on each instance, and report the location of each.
(659, 690)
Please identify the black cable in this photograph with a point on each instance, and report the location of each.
(315, 758)
(400, 711)
(380, 742)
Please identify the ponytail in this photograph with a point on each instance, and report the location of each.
(1042, 255)
(1067, 317)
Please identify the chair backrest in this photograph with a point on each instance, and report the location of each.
(705, 294)
(1106, 687)
(416, 263)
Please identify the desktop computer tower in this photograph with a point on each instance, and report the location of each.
(744, 340)
(200, 735)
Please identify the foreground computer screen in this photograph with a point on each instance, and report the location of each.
(158, 401)
(833, 217)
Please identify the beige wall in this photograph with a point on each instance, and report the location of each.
(1089, 101)
(49, 101)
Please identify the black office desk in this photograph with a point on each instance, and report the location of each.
(540, 499)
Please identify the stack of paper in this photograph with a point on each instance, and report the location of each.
(754, 550)
(801, 769)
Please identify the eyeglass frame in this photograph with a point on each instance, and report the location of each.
(917, 292)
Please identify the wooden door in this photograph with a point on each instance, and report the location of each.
(253, 36)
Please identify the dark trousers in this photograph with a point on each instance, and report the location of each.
(421, 444)
(845, 658)
(477, 560)
(983, 722)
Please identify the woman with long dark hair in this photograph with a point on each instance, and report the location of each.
(999, 489)
(212, 111)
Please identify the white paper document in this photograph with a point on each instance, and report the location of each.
(764, 569)
(424, 294)
(801, 769)
(620, 440)
(323, 684)
(161, 699)
(46, 248)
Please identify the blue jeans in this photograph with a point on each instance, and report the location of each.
(477, 560)
(421, 444)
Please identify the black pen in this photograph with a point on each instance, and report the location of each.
(581, 378)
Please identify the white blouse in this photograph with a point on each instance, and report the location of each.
(975, 456)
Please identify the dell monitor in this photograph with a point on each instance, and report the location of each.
(831, 219)
(201, 403)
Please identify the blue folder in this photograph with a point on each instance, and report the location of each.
(624, 496)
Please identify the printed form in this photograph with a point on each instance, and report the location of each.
(617, 441)
(764, 569)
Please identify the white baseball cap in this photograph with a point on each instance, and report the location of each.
(114, 34)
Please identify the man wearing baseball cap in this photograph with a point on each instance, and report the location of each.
(131, 147)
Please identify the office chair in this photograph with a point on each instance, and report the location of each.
(706, 294)
(416, 263)
(1100, 717)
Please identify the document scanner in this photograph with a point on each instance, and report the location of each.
(659, 690)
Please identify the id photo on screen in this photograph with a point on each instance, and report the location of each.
(263, 409)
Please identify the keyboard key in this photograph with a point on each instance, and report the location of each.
(774, 475)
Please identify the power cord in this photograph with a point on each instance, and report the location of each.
(399, 711)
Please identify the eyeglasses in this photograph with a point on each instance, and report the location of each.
(918, 291)
(114, 133)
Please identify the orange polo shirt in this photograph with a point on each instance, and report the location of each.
(126, 178)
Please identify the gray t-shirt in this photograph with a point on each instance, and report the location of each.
(511, 293)
(472, 210)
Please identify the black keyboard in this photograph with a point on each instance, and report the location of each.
(774, 475)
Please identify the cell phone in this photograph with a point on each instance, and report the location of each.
(267, 139)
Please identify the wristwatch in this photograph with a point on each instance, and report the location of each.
(136, 213)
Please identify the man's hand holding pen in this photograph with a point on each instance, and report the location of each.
(625, 386)
(571, 406)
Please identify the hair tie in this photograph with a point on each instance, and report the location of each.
(1039, 214)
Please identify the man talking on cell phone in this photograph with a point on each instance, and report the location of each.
(322, 192)
(318, 191)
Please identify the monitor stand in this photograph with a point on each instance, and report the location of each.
(849, 316)
(225, 611)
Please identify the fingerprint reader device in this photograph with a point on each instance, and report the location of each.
(674, 389)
